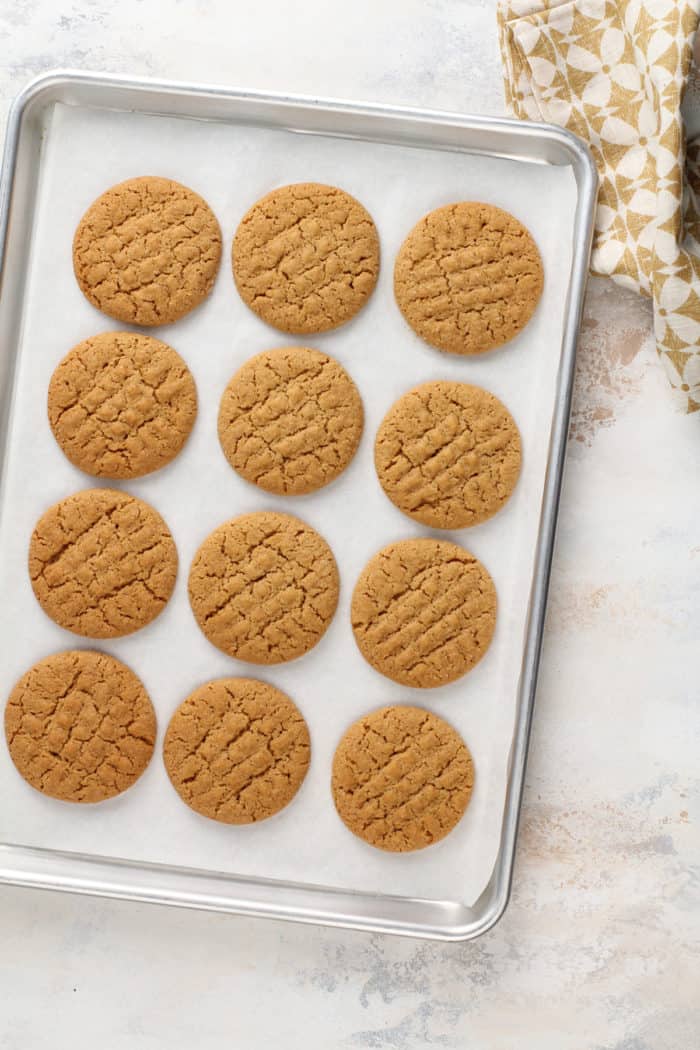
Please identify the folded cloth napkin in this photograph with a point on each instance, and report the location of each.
(614, 72)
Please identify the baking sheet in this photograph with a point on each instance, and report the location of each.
(231, 166)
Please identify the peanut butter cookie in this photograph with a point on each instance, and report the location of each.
(306, 257)
(102, 563)
(80, 726)
(290, 420)
(237, 750)
(147, 251)
(468, 277)
(448, 454)
(402, 778)
(423, 612)
(121, 404)
(264, 587)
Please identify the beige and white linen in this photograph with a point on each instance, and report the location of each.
(614, 72)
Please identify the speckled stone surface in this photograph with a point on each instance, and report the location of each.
(600, 948)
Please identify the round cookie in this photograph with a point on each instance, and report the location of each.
(423, 612)
(264, 587)
(102, 563)
(237, 750)
(147, 251)
(468, 277)
(290, 420)
(448, 454)
(306, 257)
(80, 726)
(121, 404)
(402, 778)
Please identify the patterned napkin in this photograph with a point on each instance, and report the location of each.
(614, 72)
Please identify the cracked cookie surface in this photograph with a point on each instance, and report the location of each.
(402, 778)
(468, 277)
(121, 404)
(448, 454)
(423, 612)
(290, 420)
(102, 563)
(264, 587)
(237, 750)
(80, 726)
(306, 257)
(147, 251)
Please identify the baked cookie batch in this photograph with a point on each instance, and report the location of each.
(263, 587)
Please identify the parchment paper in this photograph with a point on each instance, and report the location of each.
(86, 151)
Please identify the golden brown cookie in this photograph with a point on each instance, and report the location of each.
(102, 563)
(306, 257)
(423, 612)
(80, 726)
(121, 404)
(147, 251)
(290, 420)
(237, 750)
(448, 454)
(264, 587)
(402, 778)
(468, 277)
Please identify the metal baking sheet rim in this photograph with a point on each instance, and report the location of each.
(162, 884)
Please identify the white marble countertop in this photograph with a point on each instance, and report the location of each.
(600, 948)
